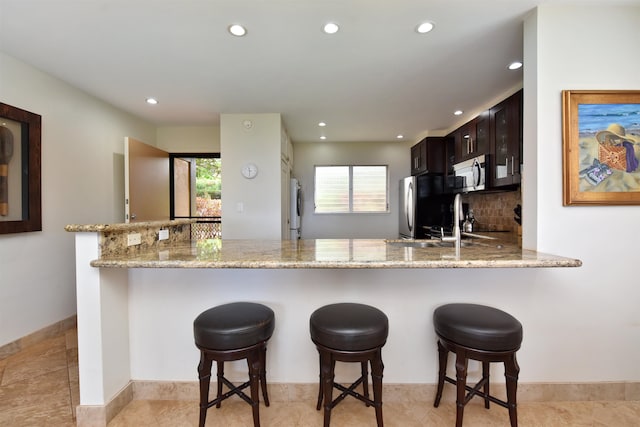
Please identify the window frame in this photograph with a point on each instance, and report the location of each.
(351, 194)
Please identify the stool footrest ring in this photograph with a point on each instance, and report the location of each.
(234, 390)
(351, 391)
(475, 391)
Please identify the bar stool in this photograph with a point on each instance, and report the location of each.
(349, 332)
(228, 332)
(481, 333)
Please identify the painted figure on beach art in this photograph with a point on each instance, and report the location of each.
(609, 147)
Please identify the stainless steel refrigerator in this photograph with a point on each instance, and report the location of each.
(295, 221)
(422, 205)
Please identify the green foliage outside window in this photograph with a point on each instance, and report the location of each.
(208, 178)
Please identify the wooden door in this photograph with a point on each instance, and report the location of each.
(146, 185)
(182, 187)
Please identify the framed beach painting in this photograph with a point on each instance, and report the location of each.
(601, 147)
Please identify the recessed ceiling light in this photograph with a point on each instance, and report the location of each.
(425, 27)
(323, 137)
(152, 101)
(515, 65)
(331, 28)
(321, 124)
(237, 30)
(400, 136)
(458, 112)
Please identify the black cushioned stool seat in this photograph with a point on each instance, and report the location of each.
(228, 332)
(349, 332)
(482, 333)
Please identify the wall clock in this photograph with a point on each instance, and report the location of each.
(249, 170)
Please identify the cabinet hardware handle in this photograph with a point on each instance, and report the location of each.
(512, 165)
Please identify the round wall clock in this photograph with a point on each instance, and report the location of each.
(249, 170)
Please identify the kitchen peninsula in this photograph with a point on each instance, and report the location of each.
(136, 304)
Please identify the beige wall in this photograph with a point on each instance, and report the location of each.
(383, 225)
(82, 182)
(189, 139)
(580, 324)
(251, 207)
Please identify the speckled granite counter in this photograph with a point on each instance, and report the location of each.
(332, 253)
(179, 251)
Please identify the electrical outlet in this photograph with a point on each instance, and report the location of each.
(134, 239)
(163, 234)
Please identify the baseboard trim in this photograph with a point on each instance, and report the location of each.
(99, 416)
(38, 336)
(527, 392)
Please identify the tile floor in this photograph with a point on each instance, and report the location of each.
(39, 387)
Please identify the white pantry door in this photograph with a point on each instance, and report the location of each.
(146, 182)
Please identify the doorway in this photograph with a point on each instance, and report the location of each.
(196, 192)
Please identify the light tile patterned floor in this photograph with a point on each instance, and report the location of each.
(39, 387)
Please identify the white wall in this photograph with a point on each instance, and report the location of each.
(323, 226)
(82, 182)
(251, 208)
(587, 319)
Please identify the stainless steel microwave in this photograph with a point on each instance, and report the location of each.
(470, 175)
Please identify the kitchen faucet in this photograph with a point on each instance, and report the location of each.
(457, 209)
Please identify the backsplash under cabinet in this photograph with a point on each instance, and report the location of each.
(494, 211)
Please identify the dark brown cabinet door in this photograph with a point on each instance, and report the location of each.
(506, 137)
(481, 124)
(428, 156)
(472, 138)
(419, 158)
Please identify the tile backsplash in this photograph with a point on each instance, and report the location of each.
(494, 211)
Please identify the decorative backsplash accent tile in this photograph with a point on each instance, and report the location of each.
(494, 211)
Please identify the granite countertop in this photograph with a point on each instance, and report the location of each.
(123, 227)
(334, 253)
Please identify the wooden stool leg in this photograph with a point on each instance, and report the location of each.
(319, 405)
(263, 374)
(485, 377)
(461, 382)
(364, 372)
(204, 375)
(512, 370)
(442, 370)
(220, 376)
(377, 367)
(327, 370)
(254, 377)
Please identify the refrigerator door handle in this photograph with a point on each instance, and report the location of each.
(409, 207)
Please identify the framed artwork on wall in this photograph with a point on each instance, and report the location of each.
(601, 147)
(20, 174)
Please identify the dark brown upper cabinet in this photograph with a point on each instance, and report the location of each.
(427, 156)
(472, 138)
(506, 139)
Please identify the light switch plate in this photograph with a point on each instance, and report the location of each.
(134, 239)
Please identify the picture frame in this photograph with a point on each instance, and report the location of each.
(601, 147)
(20, 170)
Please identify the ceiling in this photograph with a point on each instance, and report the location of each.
(376, 78)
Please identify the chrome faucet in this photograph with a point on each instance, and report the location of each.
(457, 235)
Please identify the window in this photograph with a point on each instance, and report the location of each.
(351, 189)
